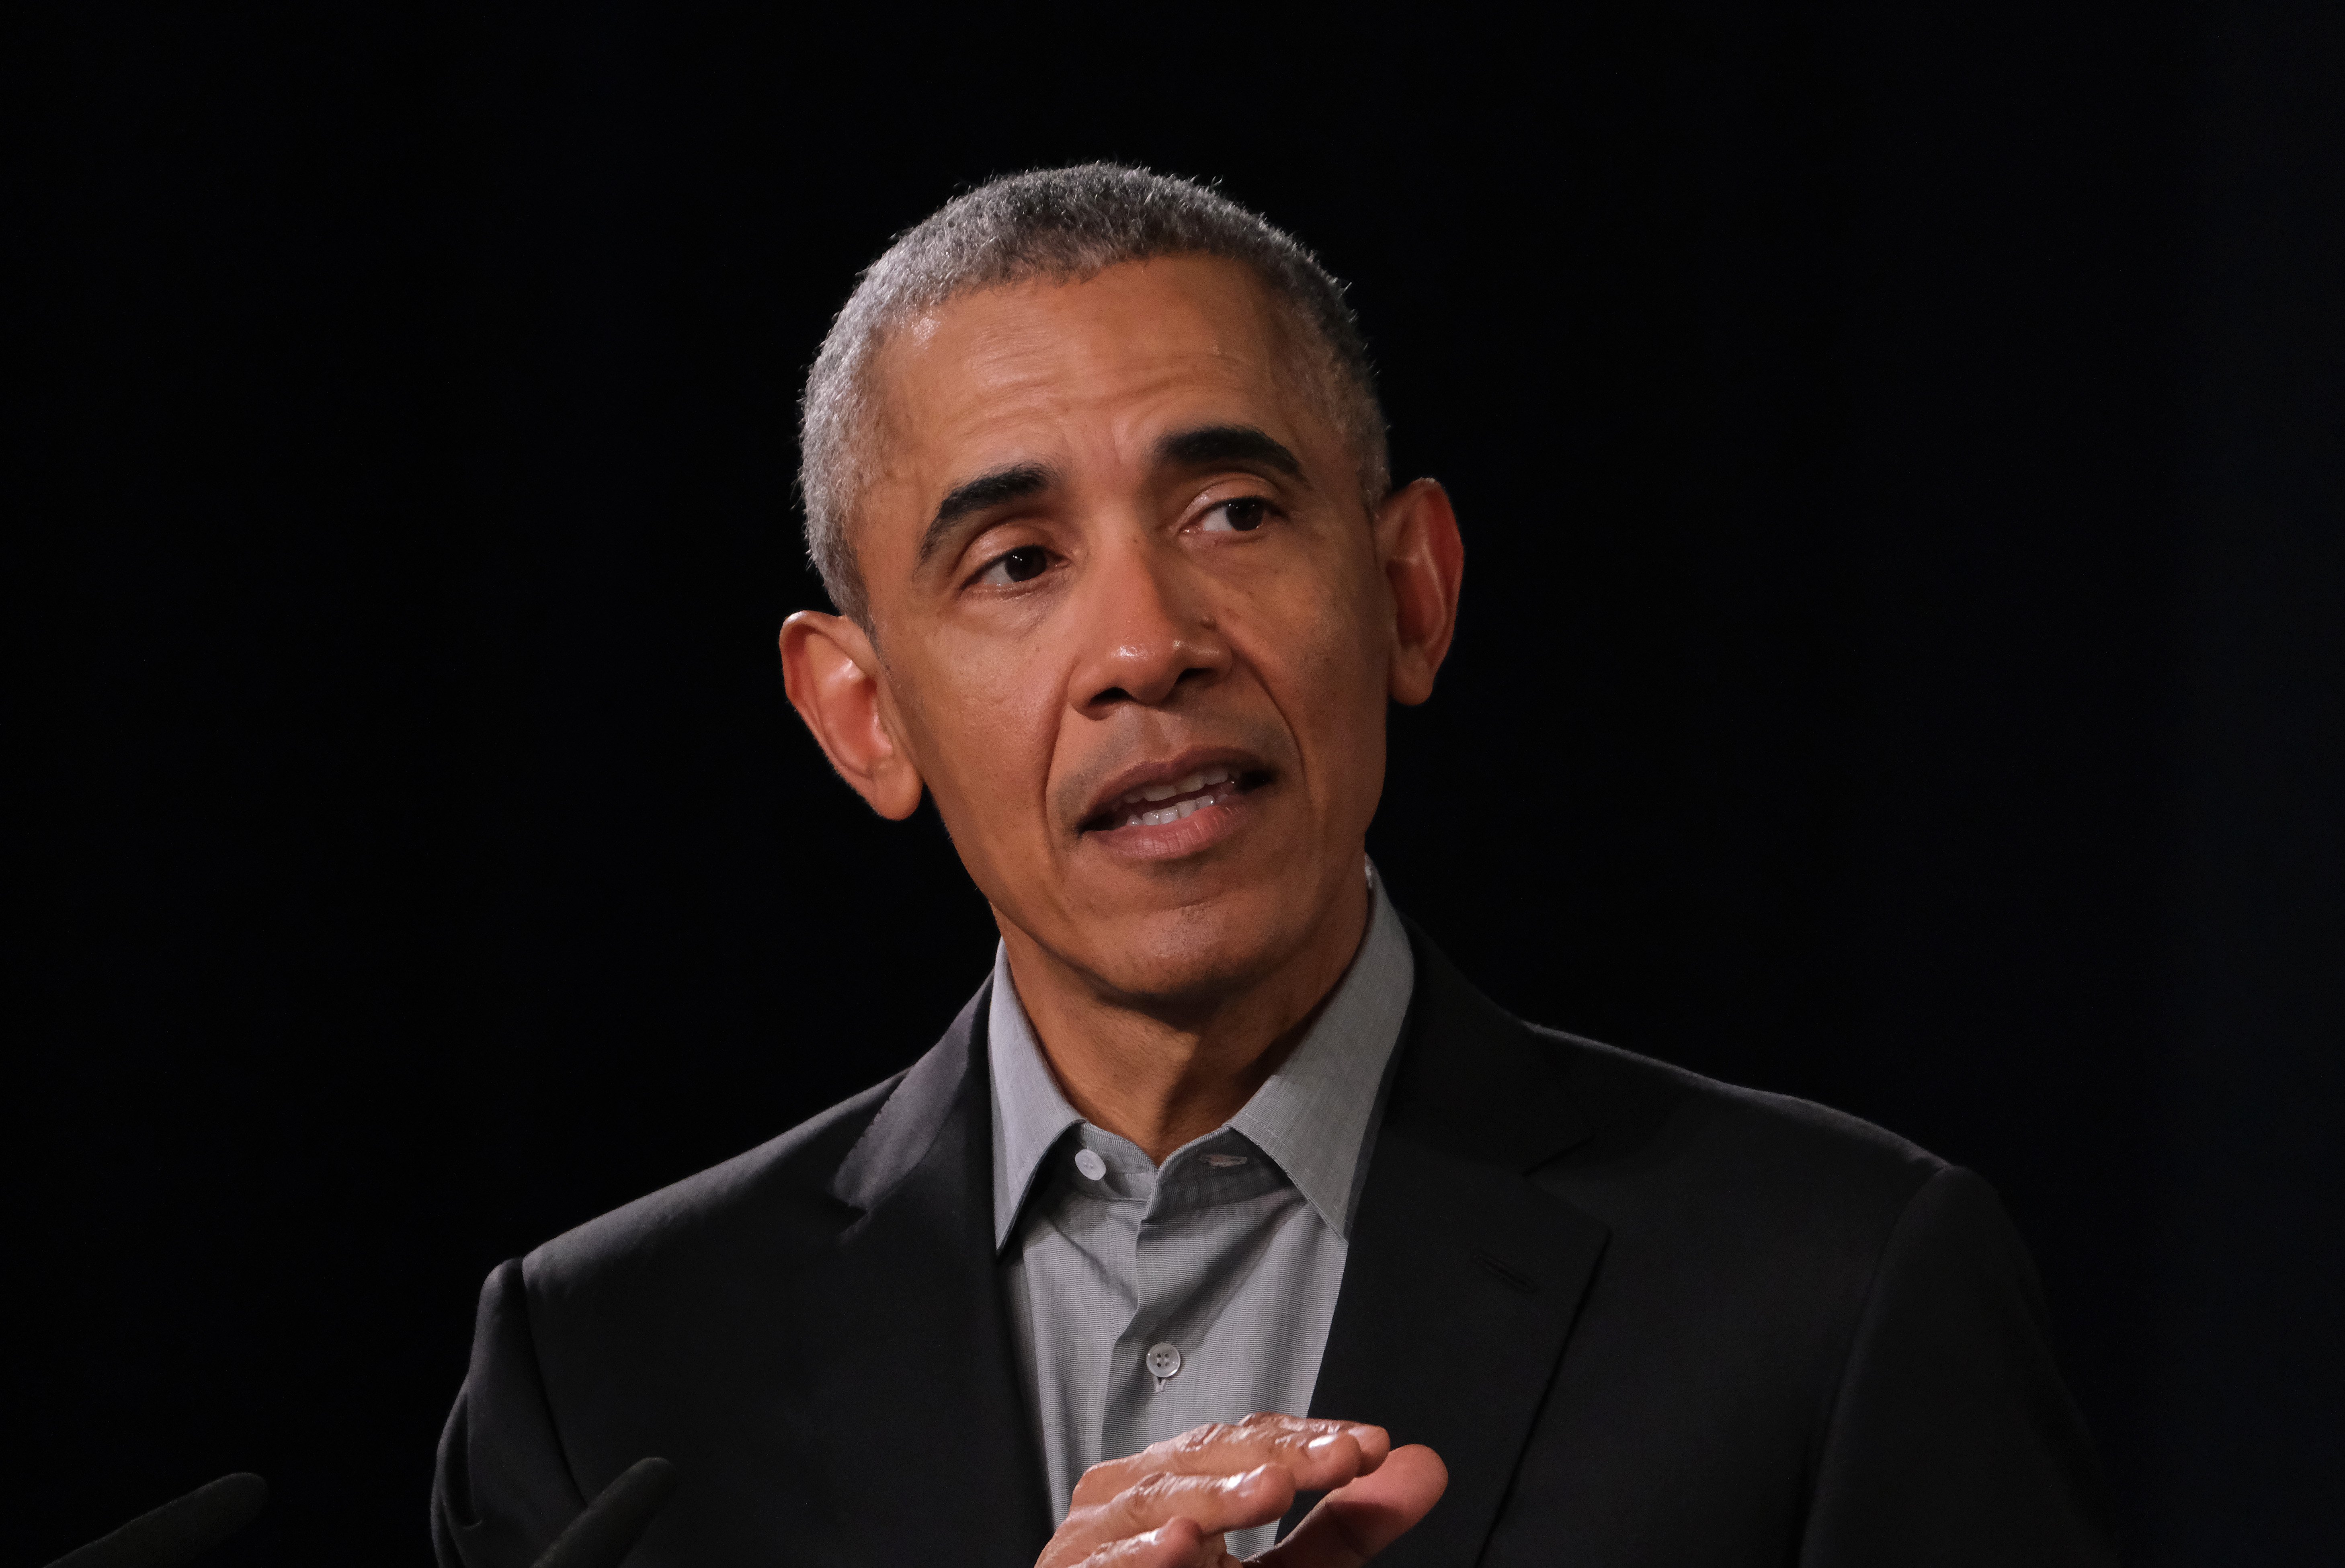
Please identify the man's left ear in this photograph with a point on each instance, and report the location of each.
(1424, 564)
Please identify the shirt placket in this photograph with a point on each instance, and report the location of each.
(1138, 1392)
(1155, 1389)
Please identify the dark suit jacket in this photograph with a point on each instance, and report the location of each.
(1644, 1317)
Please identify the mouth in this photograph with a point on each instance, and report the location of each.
(1166, 799)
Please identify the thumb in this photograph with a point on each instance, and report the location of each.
(1355, 1522)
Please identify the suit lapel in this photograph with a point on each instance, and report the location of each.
(1462, 1278)
(916, 1395)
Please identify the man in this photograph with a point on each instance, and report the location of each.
(1227, 1189)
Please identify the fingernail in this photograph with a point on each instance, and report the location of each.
(1320, 1445)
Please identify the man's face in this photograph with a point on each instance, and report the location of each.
(1134, 618)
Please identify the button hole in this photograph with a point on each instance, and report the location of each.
(1515, 1278)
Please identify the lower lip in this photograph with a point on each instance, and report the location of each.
(1200, 830)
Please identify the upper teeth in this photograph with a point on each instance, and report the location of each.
(1165, 791)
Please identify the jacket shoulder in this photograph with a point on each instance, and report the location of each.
(1691, 1177)
(1671, 1154)
(1634, 1099)
(1598, 1116)
(778, 1192)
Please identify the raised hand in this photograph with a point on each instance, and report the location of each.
(1172, 1504)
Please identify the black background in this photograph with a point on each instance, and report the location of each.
(1901, 465)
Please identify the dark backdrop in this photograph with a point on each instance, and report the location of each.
(1900, 663)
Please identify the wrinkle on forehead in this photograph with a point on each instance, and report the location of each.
(1002, 345)
(991, 362)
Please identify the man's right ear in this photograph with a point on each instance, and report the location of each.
(835, 682)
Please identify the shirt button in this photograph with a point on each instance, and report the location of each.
(1164, 1361)
(1093, 1168)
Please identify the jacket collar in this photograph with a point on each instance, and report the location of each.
(910, 1123)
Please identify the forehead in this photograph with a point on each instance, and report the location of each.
(1075, 373)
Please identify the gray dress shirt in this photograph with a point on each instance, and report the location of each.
(1145, 1300)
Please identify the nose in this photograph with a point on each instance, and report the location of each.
(1150, 630)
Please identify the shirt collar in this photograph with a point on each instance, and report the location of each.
(1030, 1112)
(1312, 1116)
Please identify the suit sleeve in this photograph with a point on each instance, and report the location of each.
(1952, 1440)
(503, 1488)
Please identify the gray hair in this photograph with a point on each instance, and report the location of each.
(1062, 224)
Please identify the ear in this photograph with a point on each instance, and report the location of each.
(1425, 564)
(837, 685)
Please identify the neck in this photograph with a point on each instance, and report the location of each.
(1164, 1075)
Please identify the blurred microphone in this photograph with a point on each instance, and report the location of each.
(604, 1535)
(176, 1532)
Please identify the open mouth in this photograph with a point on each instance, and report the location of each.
(1165, 802)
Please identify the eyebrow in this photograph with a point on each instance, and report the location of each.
(1209, 445)
(1015, 482)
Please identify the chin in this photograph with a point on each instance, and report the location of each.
(1196, 953)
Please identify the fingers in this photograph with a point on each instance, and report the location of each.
(1318, 1454)
(1214, 1503)
(1171, 1505)
(1177, 1544)
(1353, 1524)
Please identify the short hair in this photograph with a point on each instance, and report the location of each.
(1065, 225)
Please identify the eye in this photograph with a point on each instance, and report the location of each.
(1239, 514)
(1023, 564)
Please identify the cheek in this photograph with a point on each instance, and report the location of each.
(987, 720)
(1322, 655)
